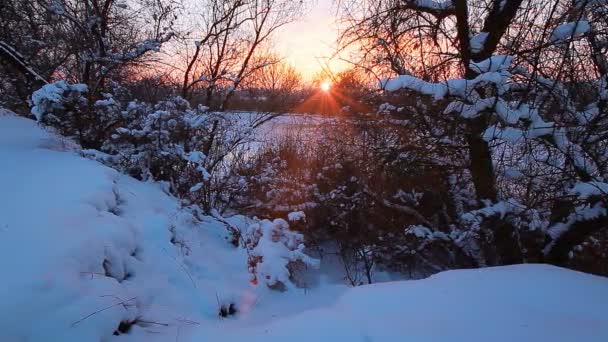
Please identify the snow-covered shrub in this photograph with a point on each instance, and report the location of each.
(63, 106)
(161, 142)
(274, 251)
(190, 149)
(169, 141)
(66, 107)
(359, 196)
(56, 100)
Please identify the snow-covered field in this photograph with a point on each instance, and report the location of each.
(84, 248)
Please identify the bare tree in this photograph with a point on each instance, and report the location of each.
(267, 17)
(215, 49)
(232, 48)
(86, 41)
(274, 88)
(107, 36)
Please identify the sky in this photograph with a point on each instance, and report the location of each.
(308, 42)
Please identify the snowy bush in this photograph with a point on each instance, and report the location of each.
(161, 142)
(55, 100)
(274, 250)
(358, 196)
(188, 148)
(66, 107)
(63, 106)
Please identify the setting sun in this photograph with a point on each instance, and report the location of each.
(325, 86)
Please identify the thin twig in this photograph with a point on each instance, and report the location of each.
(182, 267)
(104, 309)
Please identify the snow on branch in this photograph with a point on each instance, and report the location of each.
(501, 209)
(431, 6)
(492, 71)
(477, 41)
(581, 213)
(567, 31)
(518, 121)
(137, 50)
(588, 189)
(492, 64)
(437, 90)
(537, 127)
(423, 232)
(14, 57)
(54, 96)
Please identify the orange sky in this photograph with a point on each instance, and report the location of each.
(307, 43)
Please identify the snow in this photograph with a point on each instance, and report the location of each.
(56, 8)
(435, 5)
(272, 248)
(106, 102)
(196, 157)
(493, 70)
(77, 237)
(478, 41)
(492, 64)
(509, 134)
(197, 187)
(438, 90)
(512, 303)
(83, 247)
(581, 213)
(51, 96)
(570, 30)
(501, 209)
(296, 216)
(585, 190)
(426, 233)
(513, 173)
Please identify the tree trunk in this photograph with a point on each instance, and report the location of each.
(480, 156)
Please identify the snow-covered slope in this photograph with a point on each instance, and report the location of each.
(512, 303)
(84, 248)
(77, 238)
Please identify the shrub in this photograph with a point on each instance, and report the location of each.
(274, 250)
(361, 183)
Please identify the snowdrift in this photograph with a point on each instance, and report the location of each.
(511, 303)
(89, 254)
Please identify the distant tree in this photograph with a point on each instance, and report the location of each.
(275, 87)
(231, 45)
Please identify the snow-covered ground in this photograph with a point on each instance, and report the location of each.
(84, 248)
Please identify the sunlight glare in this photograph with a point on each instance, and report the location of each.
(325, 86)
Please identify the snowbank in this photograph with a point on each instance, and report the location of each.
(84, 248)
(512, 303)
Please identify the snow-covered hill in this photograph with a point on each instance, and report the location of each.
(89, 254)
(77, 238)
